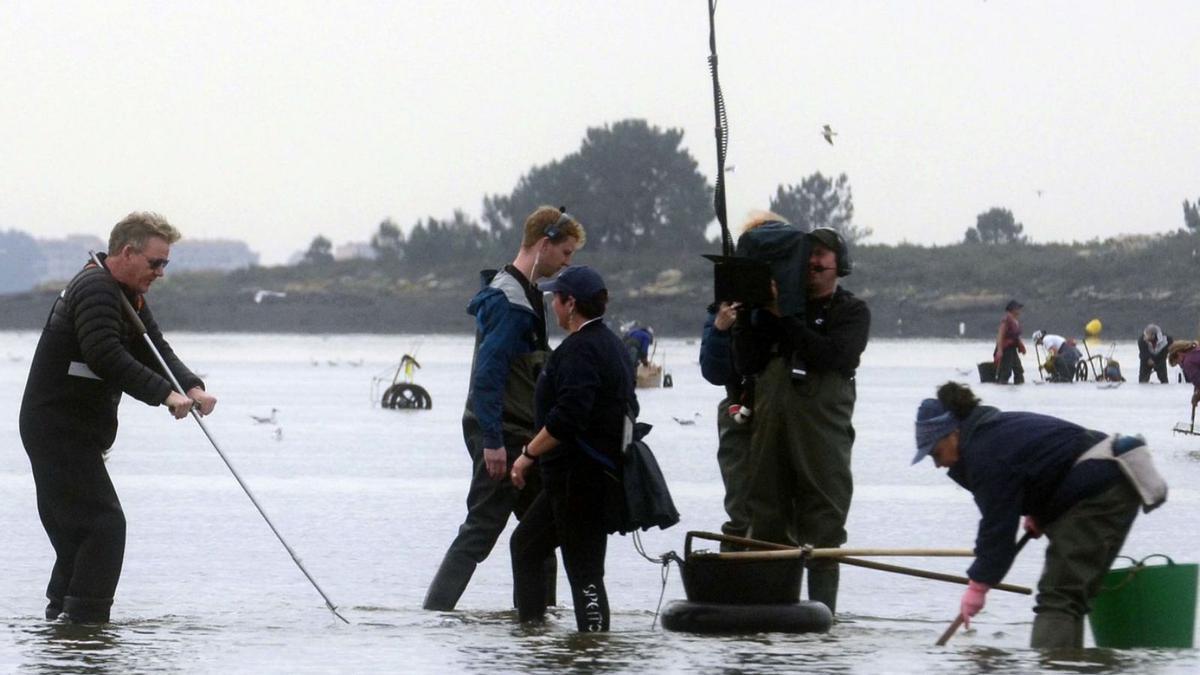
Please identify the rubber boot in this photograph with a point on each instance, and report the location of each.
(823, 578)
(449, 583)
(53, 609)
(86, 610)
(550, 569)
(1056, 630)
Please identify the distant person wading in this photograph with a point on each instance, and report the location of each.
(1009, 346)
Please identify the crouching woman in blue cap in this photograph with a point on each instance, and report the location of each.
(1081, 487)
(580, 406)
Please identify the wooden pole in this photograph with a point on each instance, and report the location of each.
(742, 541)
(950, 630)
(842, 553)
(926, 574)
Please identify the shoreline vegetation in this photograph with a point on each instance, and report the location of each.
(913, 291)
(646, 209)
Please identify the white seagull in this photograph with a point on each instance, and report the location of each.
(263, 293)
(266, 420)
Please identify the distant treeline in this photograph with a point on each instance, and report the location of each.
(913, 291)
(646, 208)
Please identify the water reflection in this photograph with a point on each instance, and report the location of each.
(1093, 660)
(62, 647)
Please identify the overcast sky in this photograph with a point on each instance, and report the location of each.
(272, 122)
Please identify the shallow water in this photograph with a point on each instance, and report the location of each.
(369, 498)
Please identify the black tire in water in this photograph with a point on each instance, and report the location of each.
(406, 396)
(1081, 371)
(708, 617)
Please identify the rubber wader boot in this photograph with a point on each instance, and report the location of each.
(449, 583)
(823, 583)
(86, 610)
(550, 572)
(1056, 630)
(550, 569)
(53, 609)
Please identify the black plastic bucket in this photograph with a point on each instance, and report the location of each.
(708, 579)
(987, 371)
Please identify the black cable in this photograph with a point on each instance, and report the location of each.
(721, 131)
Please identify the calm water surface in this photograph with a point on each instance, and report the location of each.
(369, 499)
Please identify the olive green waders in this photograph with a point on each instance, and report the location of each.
(1084, 541)
(800, 450)
(733, 454)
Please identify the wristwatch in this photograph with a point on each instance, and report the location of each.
(525, 453)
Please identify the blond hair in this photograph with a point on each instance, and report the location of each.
(138, 227)
(545, 217)
(758, 218)
(1177, 349)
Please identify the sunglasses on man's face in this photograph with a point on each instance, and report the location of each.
(156, 263)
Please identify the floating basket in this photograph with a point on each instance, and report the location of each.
(649, 376)
(1146, 606)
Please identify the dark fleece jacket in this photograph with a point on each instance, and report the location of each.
(66, 407)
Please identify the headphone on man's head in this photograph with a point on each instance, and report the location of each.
(840, 249)
(555, 230)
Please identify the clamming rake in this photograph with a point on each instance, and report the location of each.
(141, 328)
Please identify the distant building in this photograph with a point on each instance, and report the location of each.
(354, 250)
(64, 257)
(221, 255)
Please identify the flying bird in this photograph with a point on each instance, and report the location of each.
(263, 293)
(828, 133)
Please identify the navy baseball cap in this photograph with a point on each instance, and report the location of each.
(578, 281)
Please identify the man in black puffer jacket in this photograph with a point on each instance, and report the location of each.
(89, 354)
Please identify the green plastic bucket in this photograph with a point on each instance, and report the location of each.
(1146, 606)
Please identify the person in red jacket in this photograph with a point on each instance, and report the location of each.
(1186, 355)
(1009, 345)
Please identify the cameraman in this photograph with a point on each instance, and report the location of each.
(804, 400)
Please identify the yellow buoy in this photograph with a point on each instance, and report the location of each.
(1093, 327)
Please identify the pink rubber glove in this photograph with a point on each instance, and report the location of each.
(973, 600)
(1032, 527)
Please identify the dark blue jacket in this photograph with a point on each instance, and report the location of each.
(507, 326)
(716, 354)
(1020, 463)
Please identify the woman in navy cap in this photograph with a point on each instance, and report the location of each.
(581, 402)
(1081, 487)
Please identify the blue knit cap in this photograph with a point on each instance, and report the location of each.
(934, 423)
